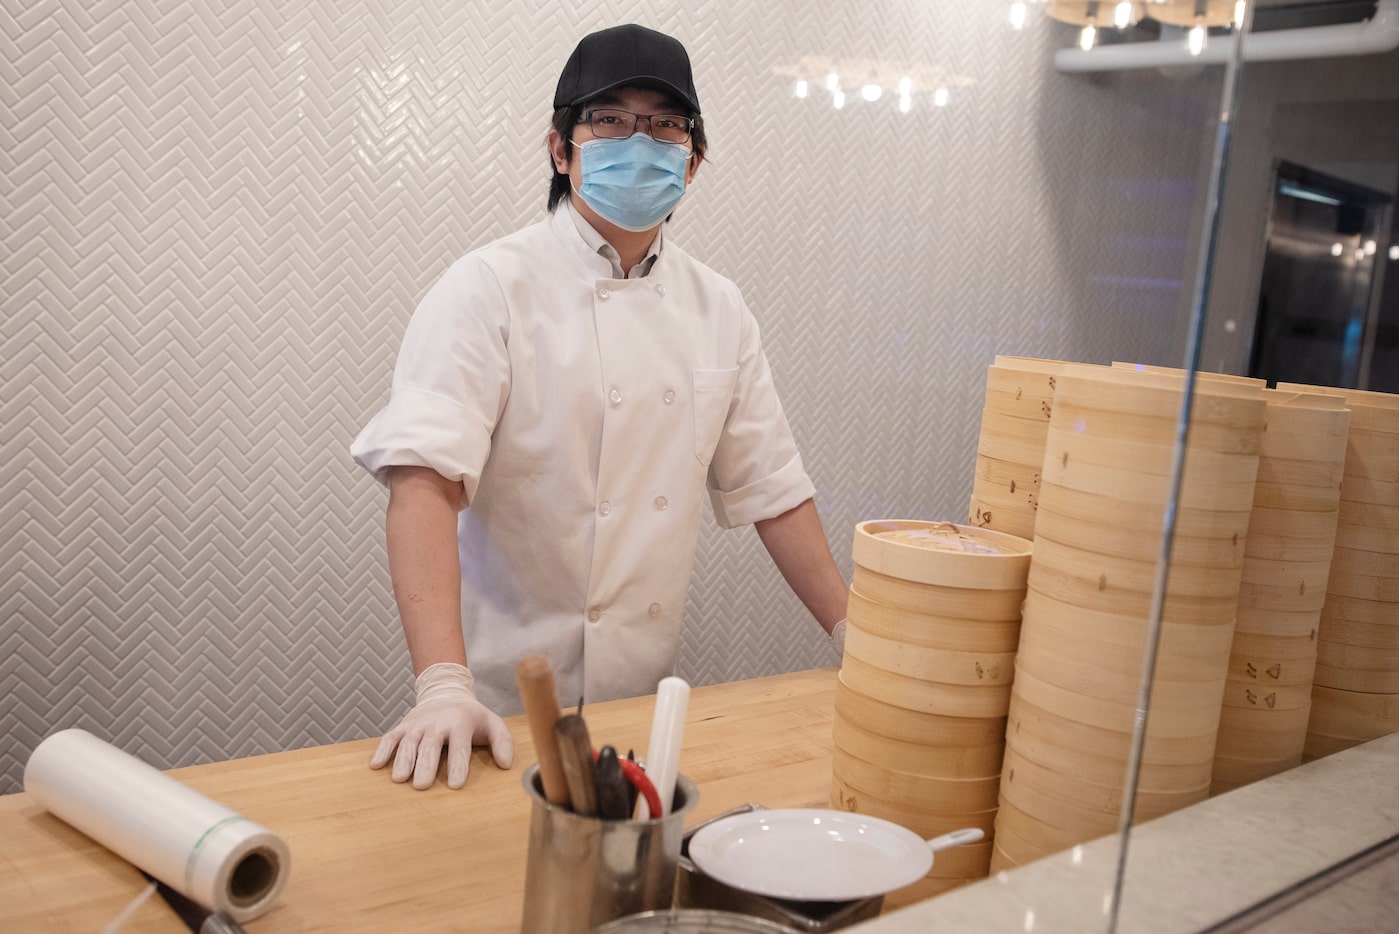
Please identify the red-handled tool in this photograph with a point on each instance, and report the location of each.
(639, 780)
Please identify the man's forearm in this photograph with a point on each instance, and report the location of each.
(797, 543)
(421, 535)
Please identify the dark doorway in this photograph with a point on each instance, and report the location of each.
(1318, 320)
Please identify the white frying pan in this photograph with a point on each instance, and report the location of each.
(812, 854)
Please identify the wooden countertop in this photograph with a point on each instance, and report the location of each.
(371, 855)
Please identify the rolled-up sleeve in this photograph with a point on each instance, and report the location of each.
(450, 383)
(756, 472)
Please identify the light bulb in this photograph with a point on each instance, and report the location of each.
(905, 103)
(1370, 248)
(1394, 252)
(1336, 249)
(838, 99)
(1195, 41)
(940, 97)
(1087, 37)
(1122, 14)
(871, 92)
(1017, 15)
(801, 88)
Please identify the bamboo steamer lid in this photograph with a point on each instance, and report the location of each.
(930, 729)
(1202, 375)
(1112, 539)
(939, 762)
(929, 664)
(916, 790)
(954, 602)
(1357, 399)
(931, 631)
(1353, 714)
(951, 700)
(1225, 417)
(942, 553)
(925, 823)
(1275, 624)
(1103, 754)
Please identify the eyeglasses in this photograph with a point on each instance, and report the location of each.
(619, 124)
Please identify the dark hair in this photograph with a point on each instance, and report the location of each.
(566, 118)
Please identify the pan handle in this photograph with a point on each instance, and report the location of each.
(956, 838)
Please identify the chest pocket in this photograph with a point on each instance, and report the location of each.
(714, 390)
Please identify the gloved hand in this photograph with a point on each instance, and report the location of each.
(838, 637)
(446, 711)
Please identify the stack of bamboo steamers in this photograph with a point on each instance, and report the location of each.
(1279, 626)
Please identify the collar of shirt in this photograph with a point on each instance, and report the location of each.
(598, 245)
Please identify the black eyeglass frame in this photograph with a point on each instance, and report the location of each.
(586, 117)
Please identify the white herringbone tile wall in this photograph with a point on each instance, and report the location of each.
(216, 218)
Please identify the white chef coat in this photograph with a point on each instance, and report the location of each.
(586, 415)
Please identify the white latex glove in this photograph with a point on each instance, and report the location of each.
(838, 637)
(446, 711)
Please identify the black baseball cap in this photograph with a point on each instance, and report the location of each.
(626, 55)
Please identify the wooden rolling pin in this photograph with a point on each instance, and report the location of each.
(536, 681)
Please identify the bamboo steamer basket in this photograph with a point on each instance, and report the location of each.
(1250, 694)
(1197, 655)
(942, 554)
(1372, 492)
(936, 600)
(1100, 571)
(1353, 715)
(939, 762)
(1102, 595)
(1123, 630)
(1359, 610)
(1031, 835)
(1280, 624)
(1364, 635)
(939, 665)
(928, 630)
(941, 794)
(950, 734)
(1020, 770)
(1196, 717)
(1126, 542)
(923, 821)
(1268, 659)
(1344, 583)
(1094, 506)
(952, 700)
(1167, 762)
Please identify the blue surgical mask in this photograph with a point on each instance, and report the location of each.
(633, 182)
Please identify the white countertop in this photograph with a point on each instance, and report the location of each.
(1192, 869)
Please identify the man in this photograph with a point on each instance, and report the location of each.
(562, 400)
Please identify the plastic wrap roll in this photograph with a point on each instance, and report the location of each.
(193, 844)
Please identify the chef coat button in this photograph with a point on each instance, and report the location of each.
(594, 615)
(660, 502)
(604, 294)
(604, 508)
(654, 609)
(669, 397)
(660, 289)
(615, 396)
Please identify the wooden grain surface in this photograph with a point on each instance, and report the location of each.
(374, 856)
